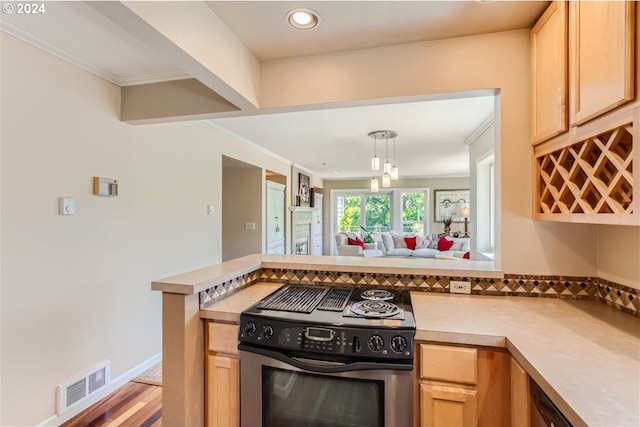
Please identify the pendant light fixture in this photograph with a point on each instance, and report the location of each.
(374, 184)
(386, 176)
(375, 161)
(394, 168)
(387, 171)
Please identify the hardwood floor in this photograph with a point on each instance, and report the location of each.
(134, 404)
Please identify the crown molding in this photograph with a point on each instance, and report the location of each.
(156, 77)
(58, 51)
(219, 129)
(476, 133)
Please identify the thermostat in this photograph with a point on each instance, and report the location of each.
(105, 186)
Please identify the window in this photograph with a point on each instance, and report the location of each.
(402, 210)
(370, 211)
(348, 213)
(377, 212)
(413, 213)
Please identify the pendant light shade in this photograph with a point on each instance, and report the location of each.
(375, 163)
(390, 172)
(387, 168)
(374, 185)
(394, 168)
(394, 173)
(386, 180)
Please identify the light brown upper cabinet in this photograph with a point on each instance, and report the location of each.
(549, 73)
(601, 50)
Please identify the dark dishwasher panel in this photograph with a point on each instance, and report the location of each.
(543, 412)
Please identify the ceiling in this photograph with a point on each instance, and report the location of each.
(331, 143)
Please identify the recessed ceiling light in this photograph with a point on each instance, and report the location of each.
(303, 19)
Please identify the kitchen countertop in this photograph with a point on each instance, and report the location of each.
(207, 277)
(583, 354)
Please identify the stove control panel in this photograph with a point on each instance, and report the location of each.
(384, 343)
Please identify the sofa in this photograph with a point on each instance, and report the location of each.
(395, 244)
(369, 250)
(392, 244)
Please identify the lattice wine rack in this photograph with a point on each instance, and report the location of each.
(590, 180)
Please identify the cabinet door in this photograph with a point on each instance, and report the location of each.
(601, 57)
(519, 396)
(223, 391)
(442, 406)
(549, 73)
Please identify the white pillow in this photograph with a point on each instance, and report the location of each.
(398, 240)
(433, 244)
(457, 246)
(466, 246)
(423, 242)
(387, 241)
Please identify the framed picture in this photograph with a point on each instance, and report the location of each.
(448, 204)
(304, 189)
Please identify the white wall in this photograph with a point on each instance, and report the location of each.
(619, 254)
(497, 61)
(76, 289)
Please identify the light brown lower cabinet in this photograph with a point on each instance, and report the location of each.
(520, 407)
(222, 373)
(448, 406)
(223, 391)
(463, 386)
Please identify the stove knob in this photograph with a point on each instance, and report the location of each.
(376, 343)
(249, 329)
(398, 344)
(267, 332)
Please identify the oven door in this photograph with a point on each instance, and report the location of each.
(277, 390)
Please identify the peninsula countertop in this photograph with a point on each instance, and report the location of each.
(584, 354)
(199, 280)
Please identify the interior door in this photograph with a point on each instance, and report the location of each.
(275, 218)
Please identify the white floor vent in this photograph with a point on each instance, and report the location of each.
(81, 387)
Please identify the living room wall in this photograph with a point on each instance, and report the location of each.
(76, 290)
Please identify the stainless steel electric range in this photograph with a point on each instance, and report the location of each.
(320, 356)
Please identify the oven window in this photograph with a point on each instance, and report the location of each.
(309, 400)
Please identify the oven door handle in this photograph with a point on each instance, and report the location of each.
(323, 366)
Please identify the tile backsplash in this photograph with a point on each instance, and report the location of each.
(621, 297)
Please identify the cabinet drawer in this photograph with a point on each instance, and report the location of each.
(222, 338)
(445, 363)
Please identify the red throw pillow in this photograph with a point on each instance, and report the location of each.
(356, 242)
(411, 242)
(466, 255)
(444, 244)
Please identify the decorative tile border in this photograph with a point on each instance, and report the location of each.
(224, 289)
(623, 298)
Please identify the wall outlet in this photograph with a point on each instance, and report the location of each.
(459, 287)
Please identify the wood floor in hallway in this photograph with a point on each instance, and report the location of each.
(132, 405)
